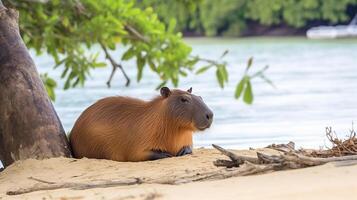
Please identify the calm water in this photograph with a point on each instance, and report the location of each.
(316, 87)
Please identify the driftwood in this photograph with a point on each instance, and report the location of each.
(289, 158)
(340, 147)
(235, 161)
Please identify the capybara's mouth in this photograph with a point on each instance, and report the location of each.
(202, 128)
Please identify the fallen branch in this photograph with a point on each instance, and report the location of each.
(235, 159)
(74, 186)
(291, 159)
(289, 147)
(312, 161)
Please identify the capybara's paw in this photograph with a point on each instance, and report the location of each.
(185, 150)
(157, 154)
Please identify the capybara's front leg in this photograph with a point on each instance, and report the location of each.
(185, 150)
(157, 154)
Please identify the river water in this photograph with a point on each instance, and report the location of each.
(316, 86)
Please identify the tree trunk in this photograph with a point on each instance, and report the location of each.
(29, 125)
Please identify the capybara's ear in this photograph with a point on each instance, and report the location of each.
(165, 92)
(189, 90)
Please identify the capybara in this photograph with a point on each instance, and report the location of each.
(129, 129)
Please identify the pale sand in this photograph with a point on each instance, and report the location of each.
(323, 182)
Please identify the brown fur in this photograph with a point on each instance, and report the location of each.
(127, 129)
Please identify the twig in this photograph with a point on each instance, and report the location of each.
(73, 186)
(136, 33)
(40, 180)
(115, 65)
(210, 61)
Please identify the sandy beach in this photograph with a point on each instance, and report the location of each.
(187, 177)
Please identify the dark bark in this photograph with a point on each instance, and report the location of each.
(29, 125)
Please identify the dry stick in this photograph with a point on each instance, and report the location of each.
(73, 186)
(40, 180)
(317, 161)
(244, 170)
(115, 65)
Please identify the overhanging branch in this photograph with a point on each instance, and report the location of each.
(115, 65)
(136, 33)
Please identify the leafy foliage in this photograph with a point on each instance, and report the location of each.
(244, 86)
(297, 13)
(67, 30)
(183, 11)
(232, 17)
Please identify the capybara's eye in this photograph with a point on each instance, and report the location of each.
(184, 100)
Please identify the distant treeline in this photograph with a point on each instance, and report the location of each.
(250, 17)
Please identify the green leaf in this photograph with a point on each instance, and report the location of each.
(140, 62)
(162, 84)
(50, 82)
(220, 77)
(128, 54)
(67, 84)
(51, 93)
(183, 73)
(111, 46)
(224, 72)
(192, 62)
(240, 87)
(248, 93)
(100, 65)
(75, 83)
(152, 65)
(203, 69)
(65, 21)
(50, 85)
(174, 81)
(172, 25)
(64, 73)
(59, 63)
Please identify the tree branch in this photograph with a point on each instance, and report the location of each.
(115, 65)
(136, 34)
(212, 62)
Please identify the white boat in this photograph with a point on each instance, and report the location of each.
(330, 32)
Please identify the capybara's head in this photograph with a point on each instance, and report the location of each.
(187, 109)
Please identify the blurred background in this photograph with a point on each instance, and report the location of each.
(310, 47)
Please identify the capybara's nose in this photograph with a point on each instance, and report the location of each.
(209, 117)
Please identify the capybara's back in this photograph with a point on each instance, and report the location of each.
(129, 129)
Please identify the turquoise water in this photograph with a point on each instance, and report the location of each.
(316, 87)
